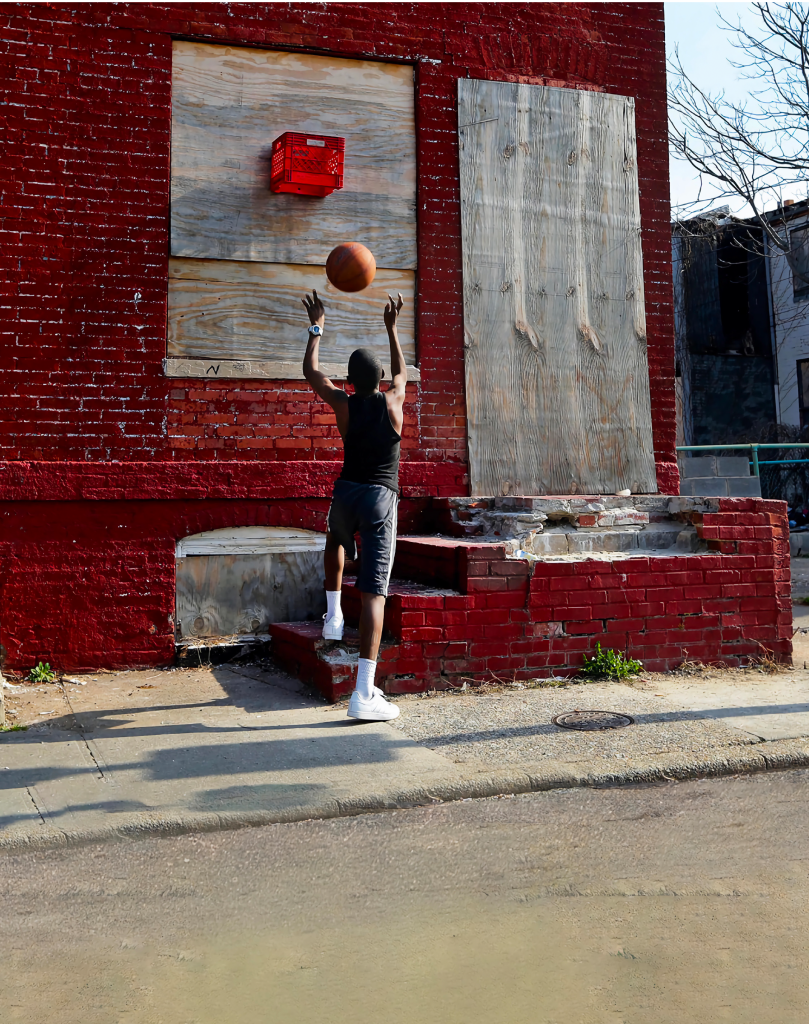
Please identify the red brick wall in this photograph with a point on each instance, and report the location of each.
(89, 426)
(90, 584)
(87, 565)
(84, 228)
(730, 606)
(265, 419)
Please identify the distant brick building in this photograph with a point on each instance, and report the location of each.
(109, 458)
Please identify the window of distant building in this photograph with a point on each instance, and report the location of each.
(803, 390)
(799, 239)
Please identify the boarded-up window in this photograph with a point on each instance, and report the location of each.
(557, 381)
(241, 256)
(242, 579)
(803, 390)
(799, 261)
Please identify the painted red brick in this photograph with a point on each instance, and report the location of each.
(534, 639)
(105, 463)
(84, 226)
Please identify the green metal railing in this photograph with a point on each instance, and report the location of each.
(754, 449)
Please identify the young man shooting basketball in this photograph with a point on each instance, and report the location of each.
(366, 494)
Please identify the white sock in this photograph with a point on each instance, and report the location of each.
(333, 609)
(365, 678)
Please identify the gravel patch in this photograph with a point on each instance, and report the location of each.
(511, 729)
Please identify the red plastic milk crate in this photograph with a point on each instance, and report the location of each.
(310, 165)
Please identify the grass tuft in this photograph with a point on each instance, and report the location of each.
(41, 673)
(609, 664)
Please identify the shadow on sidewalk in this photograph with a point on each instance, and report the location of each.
(151, 761)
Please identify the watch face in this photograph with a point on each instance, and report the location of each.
(315, 329)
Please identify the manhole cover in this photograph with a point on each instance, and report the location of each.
(592, 721)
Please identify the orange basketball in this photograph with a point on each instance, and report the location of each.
(351, 267)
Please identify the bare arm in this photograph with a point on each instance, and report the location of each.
(320, 383)
(398, 371)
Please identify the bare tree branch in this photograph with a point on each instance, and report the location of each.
(755, 150)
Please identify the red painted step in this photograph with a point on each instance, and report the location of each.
(427, 632)
(330, 665)
(300, 649)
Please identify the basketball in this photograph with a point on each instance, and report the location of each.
(351, 267)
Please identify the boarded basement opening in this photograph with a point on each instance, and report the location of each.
(238, 581)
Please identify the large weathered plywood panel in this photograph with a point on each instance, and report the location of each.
(557, 380)
(222, 309)
(219, 595)
(229, 103)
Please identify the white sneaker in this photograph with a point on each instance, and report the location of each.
(377, 709)
(333, 627)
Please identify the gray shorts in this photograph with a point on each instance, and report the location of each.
(369, 510)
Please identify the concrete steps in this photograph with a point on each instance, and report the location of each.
(331, 665)
(439, 582)
(551, 527)
(665, 579)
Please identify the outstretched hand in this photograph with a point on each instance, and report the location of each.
(314, 307)
(392, 309)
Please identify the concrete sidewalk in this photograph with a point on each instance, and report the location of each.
(135, 753)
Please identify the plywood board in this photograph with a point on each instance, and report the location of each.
(230, 103)
(221, 309)
(219, 595)
(557, 381)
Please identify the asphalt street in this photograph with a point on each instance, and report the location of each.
(672, 902)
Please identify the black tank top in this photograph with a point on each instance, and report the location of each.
(371, 444)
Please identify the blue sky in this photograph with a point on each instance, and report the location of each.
(706, 51)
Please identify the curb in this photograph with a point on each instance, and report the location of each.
(775, 755)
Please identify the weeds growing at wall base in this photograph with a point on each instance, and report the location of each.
(609, 664)
(41, 673)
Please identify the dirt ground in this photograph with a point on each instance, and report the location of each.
(29, 704)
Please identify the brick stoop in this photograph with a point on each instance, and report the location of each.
(462, 609)
(300, 649)
(328, 665)
(403, 666)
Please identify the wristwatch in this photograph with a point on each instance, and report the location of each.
(315, 329)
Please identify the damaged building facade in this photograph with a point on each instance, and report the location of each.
(742, 337)
(726, 374)
(165, 471)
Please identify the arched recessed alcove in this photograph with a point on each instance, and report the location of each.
(239, 580)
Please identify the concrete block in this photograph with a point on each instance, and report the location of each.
(685, 503)
(608, 540)
(744, 486)
(552, 505)
(550, 544)
(732, 466)
(655, 503)
(699, 467)
(705, 487)
(659, 536)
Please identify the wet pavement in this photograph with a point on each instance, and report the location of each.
(666, 903)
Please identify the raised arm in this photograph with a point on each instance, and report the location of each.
(320, 383)
(398, 370)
